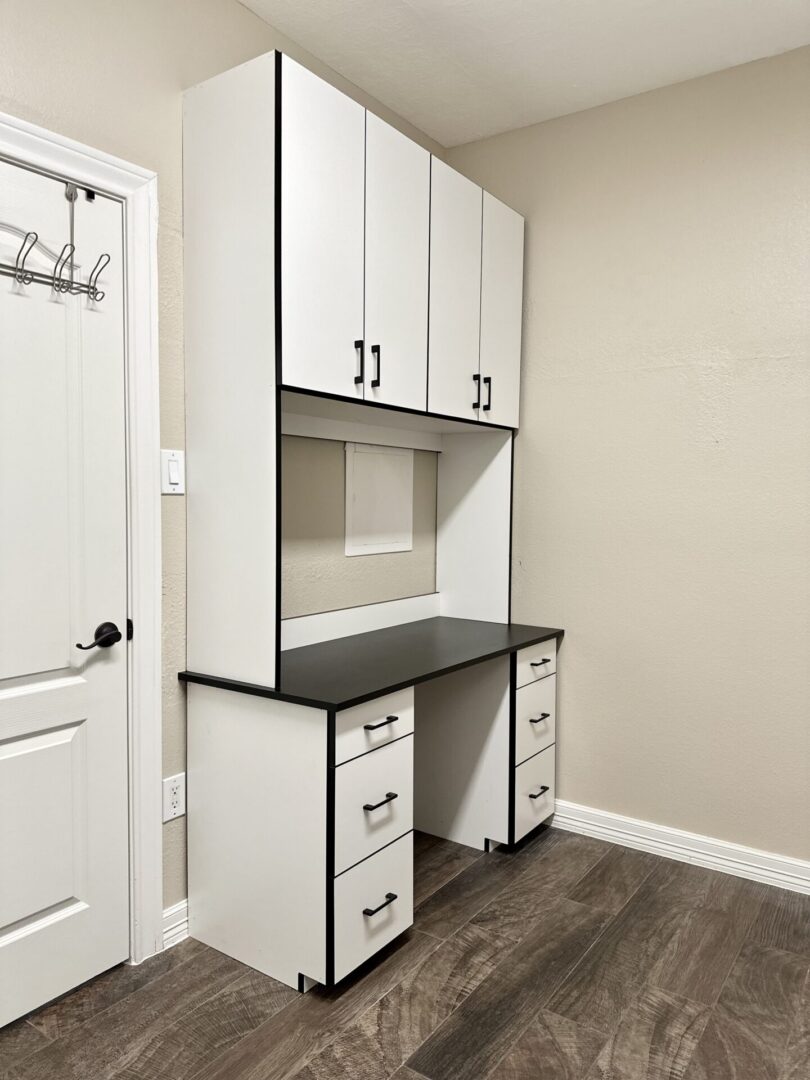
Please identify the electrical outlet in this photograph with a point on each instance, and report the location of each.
(174, 796)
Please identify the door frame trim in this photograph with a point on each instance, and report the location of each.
(44, 151)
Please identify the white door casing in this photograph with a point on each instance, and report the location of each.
(501, 311)
(396, 266)
(322, 221)
(64, 903)
(455, 292)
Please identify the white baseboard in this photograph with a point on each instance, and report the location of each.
(728, 858)
(175, 924)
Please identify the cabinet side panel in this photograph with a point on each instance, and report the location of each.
(501, 309)
(257, 831)
(473, 526)
(228, 164)
(461, 755)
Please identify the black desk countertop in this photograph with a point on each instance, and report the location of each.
(349, 670)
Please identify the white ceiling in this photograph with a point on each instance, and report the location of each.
(464, 69)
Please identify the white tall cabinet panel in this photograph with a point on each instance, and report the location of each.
(455, 292)
(397, 230)
(322, 224)
(501, 312)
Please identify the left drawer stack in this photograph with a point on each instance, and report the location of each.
(371, 830)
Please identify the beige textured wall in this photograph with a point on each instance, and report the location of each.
(316, 573)
(662, 507)
(111, 74)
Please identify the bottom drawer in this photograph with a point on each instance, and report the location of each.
(365, 916)
(533, 804)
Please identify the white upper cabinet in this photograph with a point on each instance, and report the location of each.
(501, 312)
(455, 294)
(397, 234)
(322, 222)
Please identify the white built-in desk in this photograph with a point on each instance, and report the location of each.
(302, 799)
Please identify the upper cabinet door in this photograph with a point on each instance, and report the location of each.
(322, 219)
(501, 312)
(455, 293)
(397, 232)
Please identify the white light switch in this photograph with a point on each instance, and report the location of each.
(172, 472)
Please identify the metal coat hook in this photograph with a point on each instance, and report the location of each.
(21, 275)
(61, 284)
(93, 290)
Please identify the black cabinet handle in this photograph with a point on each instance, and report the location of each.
(539, 663)
(539, 719)
(477, 381)
(106, 634)
(382, 723)
(390, 897)
(542, 791)
(389, 797)
(375, 351)
(360, 344)
(488, 384)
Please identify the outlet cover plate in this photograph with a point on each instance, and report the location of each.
(174, 796)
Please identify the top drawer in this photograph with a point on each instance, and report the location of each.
(372, 724)
(536, 662)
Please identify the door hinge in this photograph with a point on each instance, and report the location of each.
(130, 630)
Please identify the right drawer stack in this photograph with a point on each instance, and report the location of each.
(535, 736)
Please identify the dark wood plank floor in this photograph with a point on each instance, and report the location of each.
(566, 959)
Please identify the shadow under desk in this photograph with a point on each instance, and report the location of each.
(302, 800)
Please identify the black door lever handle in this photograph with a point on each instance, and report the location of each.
(107, 634)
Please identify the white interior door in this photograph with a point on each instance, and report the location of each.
(397, 229)
(501, 312)
(322, 222)
(63, 711)
(455, 293)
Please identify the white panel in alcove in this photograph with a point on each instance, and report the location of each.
(379, 499)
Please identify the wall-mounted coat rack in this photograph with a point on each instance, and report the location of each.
(61, 279)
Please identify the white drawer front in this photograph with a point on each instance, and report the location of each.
(364, 888)
(372, 724)
(536, 662)
(532, 803)
(534, 718)
(366, 782)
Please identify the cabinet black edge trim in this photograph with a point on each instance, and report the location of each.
(374, 750)
(512, 744)
(330, 848)
(373, 853)
(479, 424)
(277, 216)
(258, 690)
(511, 516)
(537, 753)
(277, 298)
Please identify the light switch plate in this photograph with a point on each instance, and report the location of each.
(172, 472)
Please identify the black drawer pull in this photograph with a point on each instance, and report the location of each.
(360, 344)
(382, 723)
(539, 719)
(390, 897)
(542, 791)
(389, 797)
(375, 352)
(477, 381)
(488, 384)
(539, 663)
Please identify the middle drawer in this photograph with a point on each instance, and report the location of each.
(535, 717)
(373, 801)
